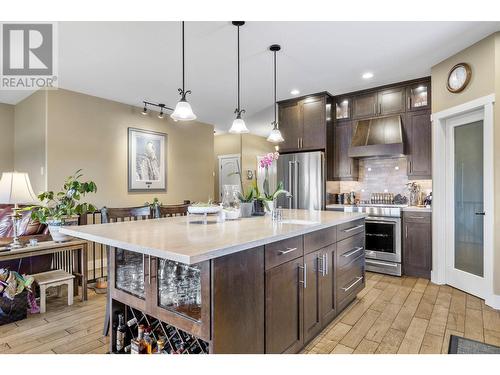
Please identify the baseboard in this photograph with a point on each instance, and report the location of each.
(435, 279)
(493, 301)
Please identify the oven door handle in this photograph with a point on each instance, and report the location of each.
(381, 222)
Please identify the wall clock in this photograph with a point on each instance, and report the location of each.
(459, 77)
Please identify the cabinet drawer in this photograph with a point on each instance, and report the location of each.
(319, 239)
(415, 216)
(350, 229)
(350, 249)
(277, 253)
(351, 280)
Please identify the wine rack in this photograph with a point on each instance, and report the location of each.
(176, 341)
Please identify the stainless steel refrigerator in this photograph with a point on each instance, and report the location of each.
(303, 176)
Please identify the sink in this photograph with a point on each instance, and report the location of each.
(299, 222)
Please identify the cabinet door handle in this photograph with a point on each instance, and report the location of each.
(411, 167)
(304, 275)
(354, 251)
(380, 108)
(288, 250)
(409, 102)
(353, 228)
(358, 279)
(406, 231)
(321, 264)
(149, 271)
(298, 142)
(326, 264)
(375, 108)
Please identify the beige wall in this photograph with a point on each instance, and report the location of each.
(91, 133)
(30, 137)
(484, 59)
(481, 58)
(249, 146)
(6, 137)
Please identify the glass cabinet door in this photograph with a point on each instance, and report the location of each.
(179, 288)
(343, 109)
(129, 272)
(418, 96)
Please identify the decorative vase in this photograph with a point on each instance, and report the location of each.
(269, 206)
(231, 202)
(246, 209)
(55, 227)
(258, 208)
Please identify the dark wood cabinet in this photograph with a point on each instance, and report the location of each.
(344, 167)
(391, 101)
(327, 267)
(418, 129)
(312, 319)
(285, 307)
(313, 113)
(365, 105)
(417, 244)
(291, 130)
(343, 108)
(303, 122)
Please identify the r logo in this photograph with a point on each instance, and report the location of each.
(27, 50)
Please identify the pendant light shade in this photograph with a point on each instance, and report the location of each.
(238, 126)
(183, 110)
(275, 135)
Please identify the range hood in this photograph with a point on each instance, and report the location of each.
(381, 136)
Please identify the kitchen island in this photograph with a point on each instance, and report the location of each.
(245, 286)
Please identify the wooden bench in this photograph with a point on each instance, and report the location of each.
(55, 278)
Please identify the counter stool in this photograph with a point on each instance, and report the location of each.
(55, 278)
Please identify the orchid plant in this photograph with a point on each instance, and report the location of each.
(265, 163)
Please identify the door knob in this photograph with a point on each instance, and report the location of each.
(481, 213)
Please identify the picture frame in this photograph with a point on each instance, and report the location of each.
(147, 160)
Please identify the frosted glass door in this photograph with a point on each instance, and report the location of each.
(469, 208)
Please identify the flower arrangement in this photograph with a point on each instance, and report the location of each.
(265, 163)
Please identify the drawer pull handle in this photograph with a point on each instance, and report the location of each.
(288, 250)
(353, 228)
(354, 251)
(369, 261)
(415, 217)
(304, 275)
(358, 279)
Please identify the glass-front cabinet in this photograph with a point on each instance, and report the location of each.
(174, 292)
(418, 96)
(342, 108)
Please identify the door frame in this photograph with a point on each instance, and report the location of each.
(219, 161)
(482, 108)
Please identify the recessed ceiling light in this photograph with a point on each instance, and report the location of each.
(367, 75)
(295, 92)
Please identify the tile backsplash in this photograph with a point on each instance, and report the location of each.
(378, 176)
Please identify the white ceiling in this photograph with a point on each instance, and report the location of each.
(133, 61)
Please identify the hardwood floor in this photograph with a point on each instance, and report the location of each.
(407, 315)
(391, 315)
(75, 329)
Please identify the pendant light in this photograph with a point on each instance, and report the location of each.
(238, 126)
(183, 110)
(275, 135)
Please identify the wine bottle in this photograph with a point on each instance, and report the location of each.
(120, 333)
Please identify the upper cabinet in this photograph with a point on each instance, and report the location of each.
(418, 96)
(418, 128)
(379, 103)
(391, 101)
(303, 122)
(343, 109)
(365, 105)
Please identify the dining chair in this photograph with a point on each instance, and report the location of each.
(172, 210)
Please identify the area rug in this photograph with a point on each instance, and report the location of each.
(461, 345)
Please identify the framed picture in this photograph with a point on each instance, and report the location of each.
(147, 160)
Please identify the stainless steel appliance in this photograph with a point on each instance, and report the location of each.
(383, 237)
(303, 176)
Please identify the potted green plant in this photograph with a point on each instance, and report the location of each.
(269, 199)
(64, 207)
(246, 202)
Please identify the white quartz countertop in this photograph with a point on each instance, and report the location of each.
(180, 240)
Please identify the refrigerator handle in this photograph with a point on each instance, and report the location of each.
(290, 187)
(296, 185)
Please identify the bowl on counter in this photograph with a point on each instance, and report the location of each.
(198, 210)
